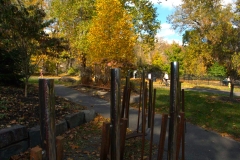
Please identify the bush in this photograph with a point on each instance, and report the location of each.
(73, 71)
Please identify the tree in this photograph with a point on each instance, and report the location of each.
(22, 32)
(217, 70)
(211, 33)
(196, 55)
(146, 25)
(72, 21)
(111, 37)
(174, 53)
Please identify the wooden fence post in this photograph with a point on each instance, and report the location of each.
(115, 113)
(174, 111)
(47, 118)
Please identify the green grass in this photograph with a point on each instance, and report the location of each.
(207, 110)
(34, 80)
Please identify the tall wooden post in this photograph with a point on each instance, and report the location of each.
(174, 111)
(150, 102)
(47, 118)
(115, 113)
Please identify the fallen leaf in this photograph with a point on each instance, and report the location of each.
(13, 121)
(71, 136)
(74, 146)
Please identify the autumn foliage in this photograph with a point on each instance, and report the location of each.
(111, 37)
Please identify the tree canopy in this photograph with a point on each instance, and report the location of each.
(22, 34)
(211, 34)
(111, 37)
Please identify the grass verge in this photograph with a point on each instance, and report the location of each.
(207, 110)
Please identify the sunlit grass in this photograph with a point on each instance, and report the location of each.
(35, 79)
(207, 110)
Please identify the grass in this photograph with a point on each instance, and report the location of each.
(34, 79)
(207, 110)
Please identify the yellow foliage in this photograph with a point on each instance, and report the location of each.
(111, 35)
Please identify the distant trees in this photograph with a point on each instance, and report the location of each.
(217, 70)
(73, 19)
(211, 35)
(166, 53)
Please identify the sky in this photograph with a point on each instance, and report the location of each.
(164, 9)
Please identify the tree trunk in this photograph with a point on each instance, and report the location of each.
(26, 87)
(57, 69)
(231, 90)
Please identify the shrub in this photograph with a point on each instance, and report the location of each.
(73, 71)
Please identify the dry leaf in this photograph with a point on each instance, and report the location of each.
(74, 146)
(13, 121)
(71, 136)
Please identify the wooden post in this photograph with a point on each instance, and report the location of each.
(124, 122)
(162, 136)
(184, 129)
(152, 123)
(36, 153)
(139, 107)
(150, 102)
(59, 147)
(115, 113)
(144, 120)
(47, 118)
(105, 140)
(174, 109)
(180, 132)
(143, 99)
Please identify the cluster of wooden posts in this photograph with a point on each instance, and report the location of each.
(114, 132)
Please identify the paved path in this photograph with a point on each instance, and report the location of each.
(200, 144)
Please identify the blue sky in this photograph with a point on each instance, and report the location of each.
(164, 9)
